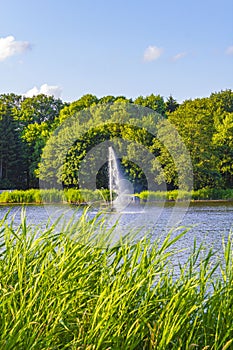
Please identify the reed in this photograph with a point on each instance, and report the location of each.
(69, 288)
(53, 196)
(201, 194)
(84, 196)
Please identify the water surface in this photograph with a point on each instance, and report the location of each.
(208, 222)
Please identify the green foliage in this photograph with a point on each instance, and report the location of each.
(205, 125)
(195, 123)
(222, 101)
(66, 149)
(213, 193)
(223, 140)
(164, 195)
(69, 290)
(29, 196)
(38, 115)
(206, 128)
(54, 196)
(154, 102)
(85, 196)
(39, 109)
(24, 127)
(12, 162)
(171, 104)
(85, 101)
(201, 194)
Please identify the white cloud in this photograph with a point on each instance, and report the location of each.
(49, 90)
(229, 50)
(10, 47)
(179, 56)
(32, 92)
(152, 53)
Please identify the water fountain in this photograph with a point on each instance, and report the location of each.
(118, 185)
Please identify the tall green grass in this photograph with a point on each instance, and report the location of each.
(84, 195)
(53, 196)
(201, 194)
(213, 193)
(70, 289)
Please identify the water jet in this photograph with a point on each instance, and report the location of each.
(119, 186)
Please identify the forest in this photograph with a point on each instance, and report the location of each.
(27, 125)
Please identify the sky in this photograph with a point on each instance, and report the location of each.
(70, 48)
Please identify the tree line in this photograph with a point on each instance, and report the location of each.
(27, 126)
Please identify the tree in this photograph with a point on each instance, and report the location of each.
(39, 109)
(27, 126)
(68, 147)
(155, 102)
(222, 101)
(111, 99)
(85, 101)
(171, 104)
(13, 101)
(12, 161)
(37, 117)
(194, 121)
(223, 140)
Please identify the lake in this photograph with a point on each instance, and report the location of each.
(209, 222)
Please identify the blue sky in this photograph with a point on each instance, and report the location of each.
(130, 48)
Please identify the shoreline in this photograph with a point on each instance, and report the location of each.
(192, 201)
(85, 197)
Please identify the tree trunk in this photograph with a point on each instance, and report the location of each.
(1, 168)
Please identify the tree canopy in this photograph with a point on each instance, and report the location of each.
(67, 134)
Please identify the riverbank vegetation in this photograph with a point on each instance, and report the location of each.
(26, 125)
(37, 196)
(65, 290)
(202, 194)
(73, 196)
